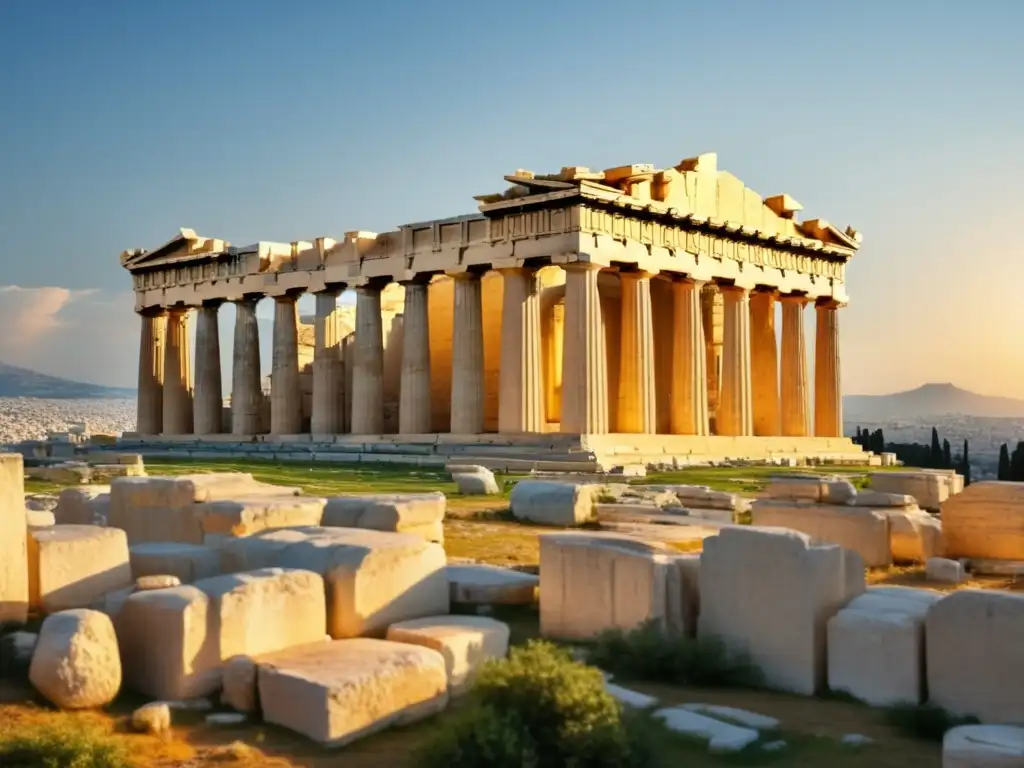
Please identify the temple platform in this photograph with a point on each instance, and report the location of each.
(509, 453)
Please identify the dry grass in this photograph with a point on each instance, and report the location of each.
(914, 576)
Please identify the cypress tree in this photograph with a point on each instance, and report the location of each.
(877, 441)
(967, 466)
(1017, 463)
(947, 458)
(935, 457)
(1003, 473)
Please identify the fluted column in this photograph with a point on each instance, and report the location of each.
(414, 409)
(735, 412)
(795, 393)
(368, 364)
(764, 364)
(467, 356)
(584, 366)
(177, 405)
(328, 370)
(246, 386)
(828, 403)
(521, 392)
(636, 411)
(209, 394)
(689, 409)
(150, 407)
(285, 390)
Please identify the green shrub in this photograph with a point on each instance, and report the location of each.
(537, 709)
(924, 721)
(649, 653)
(61, 747)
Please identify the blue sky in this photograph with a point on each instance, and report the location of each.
(280, 121)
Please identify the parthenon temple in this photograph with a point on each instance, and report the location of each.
(627, 312)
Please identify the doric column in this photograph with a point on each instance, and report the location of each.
(368, 364)
(636, 412)
(467, 356)
(828, 403)
(209, 395)
(150, 414)
(246, 385)
(584, 366)
(521, 395)
(764, 364)
(414, 409)
(177, 404)
(328, 370)
(735, 416)
(285, 390)
(793, 385)
(689, 361)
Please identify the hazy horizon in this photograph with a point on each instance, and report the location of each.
(259, 121)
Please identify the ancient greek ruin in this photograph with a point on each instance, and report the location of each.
(627, 311)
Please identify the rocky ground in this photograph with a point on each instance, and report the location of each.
(30, 418)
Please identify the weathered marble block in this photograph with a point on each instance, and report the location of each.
(189, 562)
(86, 505)
(244, 516)
(915, 535)
(483, 584)
(985, 521)
(420, 514)
(70, 566)
(14, 568)
(770, 592)
(553, 503)
(813, 488)
(929, 488)
(76, 663)
(865, 531)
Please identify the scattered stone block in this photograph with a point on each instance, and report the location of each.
(983, 746)
(865, 531)
(705, 498)
(915, 535)
(174, 642)
(41, 502)
(337, 692)
(14, 581)
(630, 698)
(491, 585)
(974, 659)
(683, 594)
(420, 514)
(736, 716)
(374, 578)
(76, 664)
(246, 516)
(839, 492)
(239, 684)
(870, 498)
(876, 646)
(146, 583)
(35, 518)
(945, 571)
(720, 736)
(553, 503)
(593, 582)
(770, 592)
(985, 521)
(82, 505)
(465, 642)
(473, 480)
(189, 562)
(70, 566)
(812, 488)
(929, 489)
(153, 718)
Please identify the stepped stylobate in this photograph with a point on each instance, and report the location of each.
(627, 313)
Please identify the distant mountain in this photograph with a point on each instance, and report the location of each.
(930, 400)
(21, 382)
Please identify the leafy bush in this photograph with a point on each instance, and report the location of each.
(924, 721)
(537, 709)
(649, 653)
(56, 747)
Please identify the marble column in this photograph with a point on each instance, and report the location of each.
(467, 356)
(764, 365)
(177, 405)
(414, 403)
(150, 408)
(735, 411)
(368, 364)
(521, 390)
(285, 389)
(689, 408)
(795, 394)
(637, 402)
(246, 384)
(328, 370)
(584, 366)
(209, 394)
(828, 403)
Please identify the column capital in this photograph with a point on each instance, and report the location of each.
(152, 312)
(794, 298)
(249, 298)
(734, 289)
(331, 288)
(211, 303)
(827, 302)
(525, 269)
(178, 310)
(697, 283)
(416, 278)
(637, 274)
(464, 274)
(582, 266)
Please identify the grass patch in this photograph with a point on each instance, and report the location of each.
(924, 721)
(71, 746)
(648, 653)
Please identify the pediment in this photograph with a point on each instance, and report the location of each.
(183, 247)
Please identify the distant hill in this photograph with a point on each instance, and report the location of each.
(21, 382)
(930, 400)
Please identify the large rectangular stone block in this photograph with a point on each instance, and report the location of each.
(975, 654)
(189, 562)
(421, 514)
(865, 531)
(985, 521)
(70, 566)
(915, 536)
(174, 642)
(337, 692)
(14, 589)
(83, 505)
(373, 578)
(769, 592)
(248, 515)
(929, 488)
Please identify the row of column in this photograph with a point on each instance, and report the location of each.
(758, 395)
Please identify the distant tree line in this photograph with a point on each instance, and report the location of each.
(1011, 465)
(938, 455)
